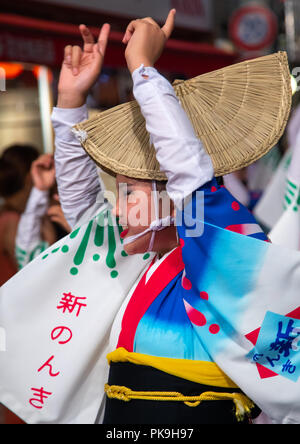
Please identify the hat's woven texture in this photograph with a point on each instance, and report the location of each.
(238, 112)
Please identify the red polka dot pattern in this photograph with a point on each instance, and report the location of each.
(235, 206)
(204, 295)
(214, 329)
(186, 283)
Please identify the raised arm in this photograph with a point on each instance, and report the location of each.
(30, 240)
(76, 174)
(180, 153)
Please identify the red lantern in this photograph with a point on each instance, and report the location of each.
(12, 70)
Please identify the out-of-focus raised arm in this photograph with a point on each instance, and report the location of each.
(29, 242)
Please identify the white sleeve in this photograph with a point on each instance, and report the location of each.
(76, 174)
(29, 242)
(179, 152)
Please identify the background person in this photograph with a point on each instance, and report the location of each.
(15, 188)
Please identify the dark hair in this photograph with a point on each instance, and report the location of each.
(15, 164)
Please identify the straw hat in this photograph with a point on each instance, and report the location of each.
(238, 112)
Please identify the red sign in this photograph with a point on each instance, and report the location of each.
(41, 42)
(253, 28)
(31, 49)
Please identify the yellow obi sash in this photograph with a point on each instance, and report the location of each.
(201, 372)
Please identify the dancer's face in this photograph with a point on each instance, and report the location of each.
(135, 210)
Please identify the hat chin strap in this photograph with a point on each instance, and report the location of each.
(155, 226)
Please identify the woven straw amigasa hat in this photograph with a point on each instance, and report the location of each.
(238, 112)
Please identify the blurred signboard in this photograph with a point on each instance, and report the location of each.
(193, 14)
(48, 49)
(253, 27)
(32, 49)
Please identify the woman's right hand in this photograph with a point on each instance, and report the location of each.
(81, 68)
(145, 40)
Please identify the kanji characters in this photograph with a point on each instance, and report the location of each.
(62, 335)
(69, 302)
(283, 342)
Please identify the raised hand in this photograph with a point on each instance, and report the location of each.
(145, 40)
(81, 67)
(43, 172)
